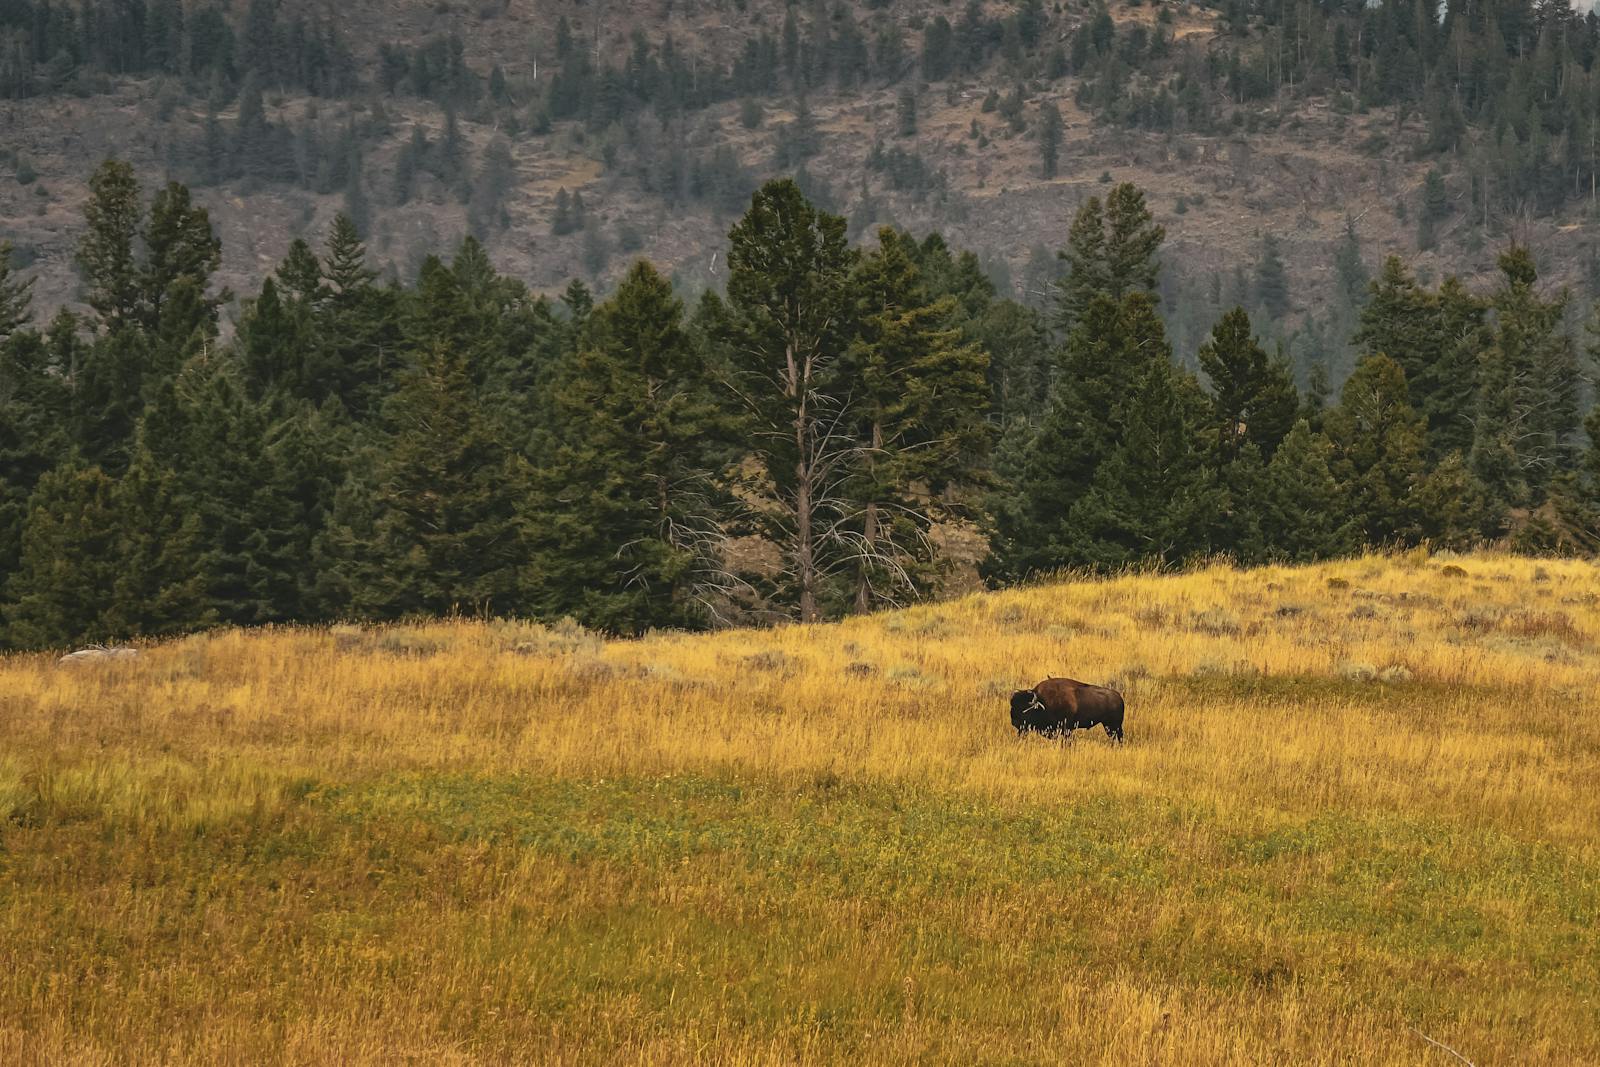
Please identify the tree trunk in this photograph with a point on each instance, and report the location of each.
(804, 502)
(869, 531)
(805, 559)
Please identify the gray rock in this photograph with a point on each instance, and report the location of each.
(98, 652)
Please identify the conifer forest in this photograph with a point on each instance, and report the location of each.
(798, 445)
(798, 383)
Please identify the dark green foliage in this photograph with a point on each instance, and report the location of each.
(1527, 409)
(1111, 250)
(1116, 396)
(1378, 442)
(446, 536)
(461, 444)
(917, 406)
(34, 394)
(1253, 398)
(1435, 337)
(64, 589)
(626, 517)
(1154, 498)
(1050, 133)
(1435, 207)
(1302, 507)
(106, 252)
(786, 324)
(1271, 282)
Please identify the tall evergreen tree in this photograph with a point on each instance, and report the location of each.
(359, 326)
(917, 399)
(446, 532)
(787, 326)
(1302, 507)
(627, 512)
(1378, 440)
(1527, 390)
(34, 407)
(1108, 377)
(1110, 250)
(1253, 397)
(181, 254)
(1435, 338)
(106, 253)
(1154, 498)
(1271, 282)
(1050, 134)
(64, 588)
(159, 587)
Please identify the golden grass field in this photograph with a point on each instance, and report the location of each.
(1359, 809)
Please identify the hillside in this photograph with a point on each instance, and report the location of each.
(1356, 813)
(1293, 165)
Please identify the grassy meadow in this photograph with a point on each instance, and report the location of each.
(1359, 809)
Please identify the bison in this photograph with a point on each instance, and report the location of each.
(1057, 706)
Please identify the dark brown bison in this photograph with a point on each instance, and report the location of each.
(1057, 706)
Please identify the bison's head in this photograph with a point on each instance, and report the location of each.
(1023, 703)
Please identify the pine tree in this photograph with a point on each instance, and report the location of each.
(1253, 397)
(1435, 207)
(1086, 274)
(1271, 283)
(14, 296)
(106, 252)
(34, 410)
(446, 535)
(159, 588)
(1302, 507)
(1154, 498)
(358, 326)
(1106, 377)
(1435, 337)
(181, 254)
(65, 585)
(1527, 390)
(627, 514)
(1377, 441)
(1111, 250)
(1050, 134)
(918, 396)
(1132, 241)
(787, 327)
(561, 222)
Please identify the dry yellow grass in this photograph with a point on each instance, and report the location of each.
(1359, 804)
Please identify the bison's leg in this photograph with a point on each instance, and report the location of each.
(1114, 732)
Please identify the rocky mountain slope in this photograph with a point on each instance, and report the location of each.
(1302, 171)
